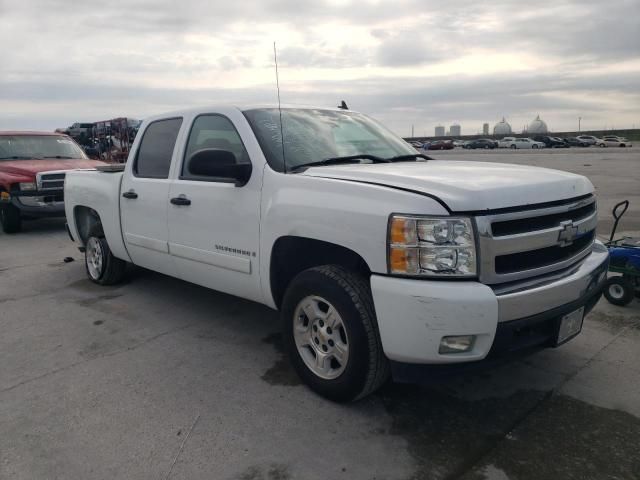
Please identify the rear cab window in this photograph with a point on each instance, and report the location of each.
(153, 159)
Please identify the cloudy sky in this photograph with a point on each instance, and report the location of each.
(405, 62)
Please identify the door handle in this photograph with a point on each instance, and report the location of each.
(130, 194)
(180, 200)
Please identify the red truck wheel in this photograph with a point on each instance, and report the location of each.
(10, 219)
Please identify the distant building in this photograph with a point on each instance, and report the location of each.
(454, 130)
(439, 131)
(485, 129)
(537, 126)
(502, 128)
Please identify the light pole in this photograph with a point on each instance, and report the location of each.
(579, 120)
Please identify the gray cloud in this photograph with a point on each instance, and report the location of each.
(397, 101)
(79, 61)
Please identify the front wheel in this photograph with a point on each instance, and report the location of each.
(619, 291)
(331, 333)
(513, 147)
(535, 146)
(10, 219)
(102, 267)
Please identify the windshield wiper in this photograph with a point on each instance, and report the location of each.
(339, 160)
(64, 157)
(18, 157)
(401, 158)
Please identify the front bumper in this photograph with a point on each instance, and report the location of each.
(39, 204)
(414, 315)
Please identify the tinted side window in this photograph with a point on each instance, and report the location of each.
(156, 149)
(214, 131)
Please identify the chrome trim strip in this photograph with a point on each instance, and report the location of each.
(534, 240)
(40, 181)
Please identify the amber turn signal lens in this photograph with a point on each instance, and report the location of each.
(403, 260)
(403, 231)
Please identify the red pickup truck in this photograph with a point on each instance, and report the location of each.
(32, 171)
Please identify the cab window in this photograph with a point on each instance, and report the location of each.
(153, 159)
(214, 131)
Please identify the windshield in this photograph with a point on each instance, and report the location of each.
(19, 147)
(311, 135)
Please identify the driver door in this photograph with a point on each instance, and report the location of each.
(214, 224)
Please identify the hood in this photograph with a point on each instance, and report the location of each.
(467, 186)
(31, 167)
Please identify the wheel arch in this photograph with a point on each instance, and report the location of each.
(86, 219)
(291, 255)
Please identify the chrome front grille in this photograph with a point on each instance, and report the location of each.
(50, 180)
(521, 244)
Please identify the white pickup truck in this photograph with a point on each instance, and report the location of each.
(381, 260)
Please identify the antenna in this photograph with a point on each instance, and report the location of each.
(275, 59)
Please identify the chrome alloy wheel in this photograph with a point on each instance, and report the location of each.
(320, 337)
(93, 257)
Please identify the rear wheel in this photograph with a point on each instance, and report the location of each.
(513, 147)
(619, 291)
(102, 267)
(10, 219)
(331, 333)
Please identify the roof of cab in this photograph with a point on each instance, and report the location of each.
(240, 107)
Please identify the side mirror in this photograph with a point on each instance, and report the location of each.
(214, 164)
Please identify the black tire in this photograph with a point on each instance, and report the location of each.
(10, 219)
(534, 146)
(349, 293)
(619, 291)
(112, 269)
(513, 147)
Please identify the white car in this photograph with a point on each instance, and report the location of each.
(589, 139)
(524, 143)
(614, 141)
(506, 142)
(361, 245)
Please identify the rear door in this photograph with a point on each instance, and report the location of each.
(214, 239)
(145, 195)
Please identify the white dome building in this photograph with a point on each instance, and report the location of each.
(502, 128)
(537, 126)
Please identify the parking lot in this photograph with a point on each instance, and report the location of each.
(162, 379)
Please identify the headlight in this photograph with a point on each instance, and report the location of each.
(26, 187)
(427, 246)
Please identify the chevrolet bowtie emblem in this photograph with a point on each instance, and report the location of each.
(568, 233)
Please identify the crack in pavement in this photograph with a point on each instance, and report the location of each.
(184, 441)
(110, 354)
(469, 465)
